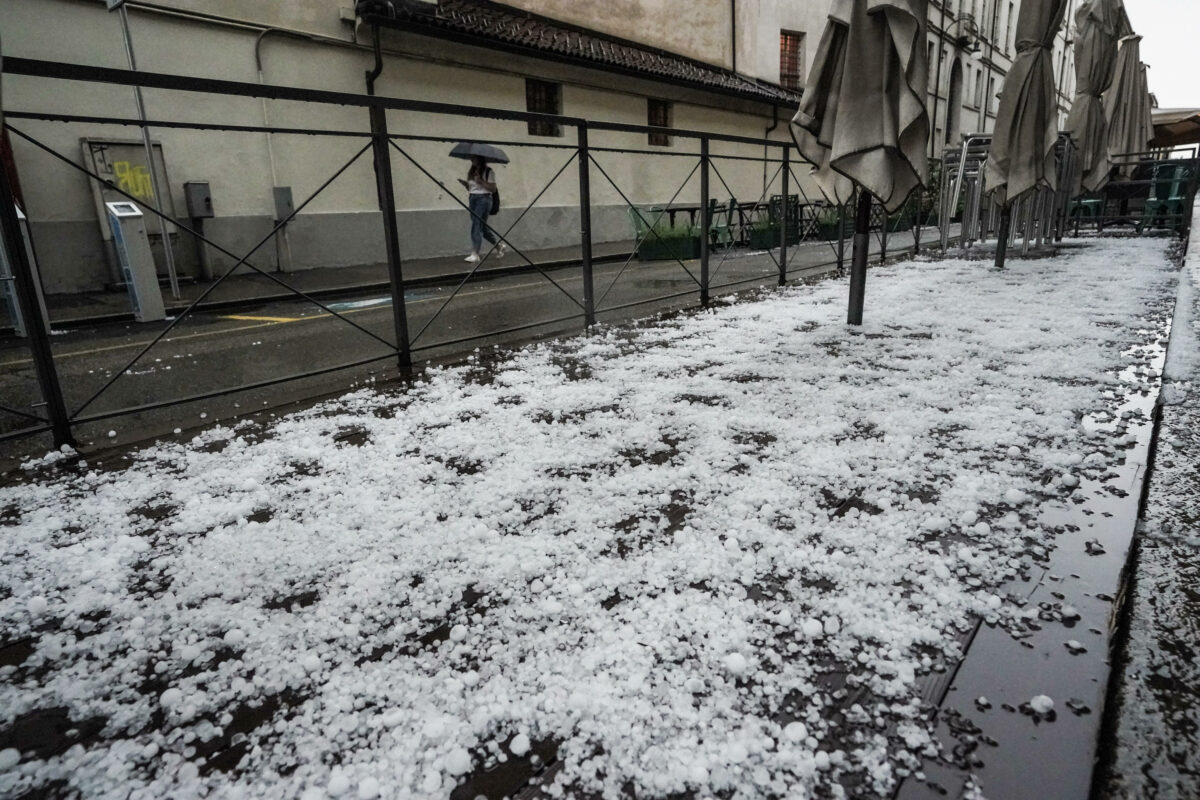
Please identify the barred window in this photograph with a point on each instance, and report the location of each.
(791, 59)
(658, 115)
(543, 97)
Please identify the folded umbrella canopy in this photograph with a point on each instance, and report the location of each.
(863, 114)
(1098, 26)
(863, 119)
(1022, 152)
(488, 152)
(1127, 103)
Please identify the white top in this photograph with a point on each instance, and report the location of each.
(475, 187)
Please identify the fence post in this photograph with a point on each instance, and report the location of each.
(784, 209)
(705, 222)
(841, 234)
(883, 239)
(858, 261)
(585, 226)
(387, 205)
(35, 324)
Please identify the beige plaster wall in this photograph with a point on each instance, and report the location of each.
(698, 29)
(243, 167)
(759, 25)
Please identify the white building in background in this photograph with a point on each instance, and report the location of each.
(725, 66)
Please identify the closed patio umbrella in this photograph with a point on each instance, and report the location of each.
(1127, 103)
(863, 117)
(1098, 26)
(1022, 152)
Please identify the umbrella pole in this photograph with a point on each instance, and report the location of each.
(841, 247)
(1002, 236)
(858, 264)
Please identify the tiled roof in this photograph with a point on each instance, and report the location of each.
(498, 26)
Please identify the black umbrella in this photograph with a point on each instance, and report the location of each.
(488, 152)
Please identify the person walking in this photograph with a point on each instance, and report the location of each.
(481, 183)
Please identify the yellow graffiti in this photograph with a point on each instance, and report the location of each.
(134, 179)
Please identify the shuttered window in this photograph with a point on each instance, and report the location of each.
(543, 97)
(791, 60)
(658, 115)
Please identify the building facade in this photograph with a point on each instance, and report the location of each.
(724, 66)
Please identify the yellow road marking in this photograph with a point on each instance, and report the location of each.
(262, 319)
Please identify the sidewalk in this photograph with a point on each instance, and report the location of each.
(248, 287)
(1153, 746)
(251, 288)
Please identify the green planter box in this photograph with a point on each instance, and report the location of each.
(669, 248)
(828, 231)
(764, 238)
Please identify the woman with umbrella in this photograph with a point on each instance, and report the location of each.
(481, 187)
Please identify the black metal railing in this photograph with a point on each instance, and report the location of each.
(780, 206)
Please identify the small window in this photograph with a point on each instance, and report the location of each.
(791, 60)
(543, 97)
(658, 115)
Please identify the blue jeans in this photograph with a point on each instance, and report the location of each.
(480, 206)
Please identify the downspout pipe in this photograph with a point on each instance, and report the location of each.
(377, 70)
(283, 243)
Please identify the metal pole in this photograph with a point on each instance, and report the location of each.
(917, 223)
(1002, 236)
(783, 216)
(705, 222)
(168, 250)
(585, 226)
(387, 205)
(841, 234)
(35, 324)
(858, 266)
(883, 239)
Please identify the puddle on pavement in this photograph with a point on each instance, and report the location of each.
(1067, 592)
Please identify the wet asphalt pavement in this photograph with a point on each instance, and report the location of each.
(1152, 747)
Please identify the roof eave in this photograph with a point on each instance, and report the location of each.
(415, 26)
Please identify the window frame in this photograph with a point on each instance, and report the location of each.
(790, 79)
(543, 97)
(653, 138)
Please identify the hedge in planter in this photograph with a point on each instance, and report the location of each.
(764, 237)
(669, 245)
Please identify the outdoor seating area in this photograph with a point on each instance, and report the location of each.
(674, 231)
(1144, 192)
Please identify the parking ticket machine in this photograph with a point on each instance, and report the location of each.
(8, 288)
(137, 263)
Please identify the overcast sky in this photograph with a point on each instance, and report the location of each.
(1170, 29)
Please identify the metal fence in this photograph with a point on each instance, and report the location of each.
(734, 190)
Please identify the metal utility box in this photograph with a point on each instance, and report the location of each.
(283, 203)
(8, 286)
(199, 199)
(137, 264)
